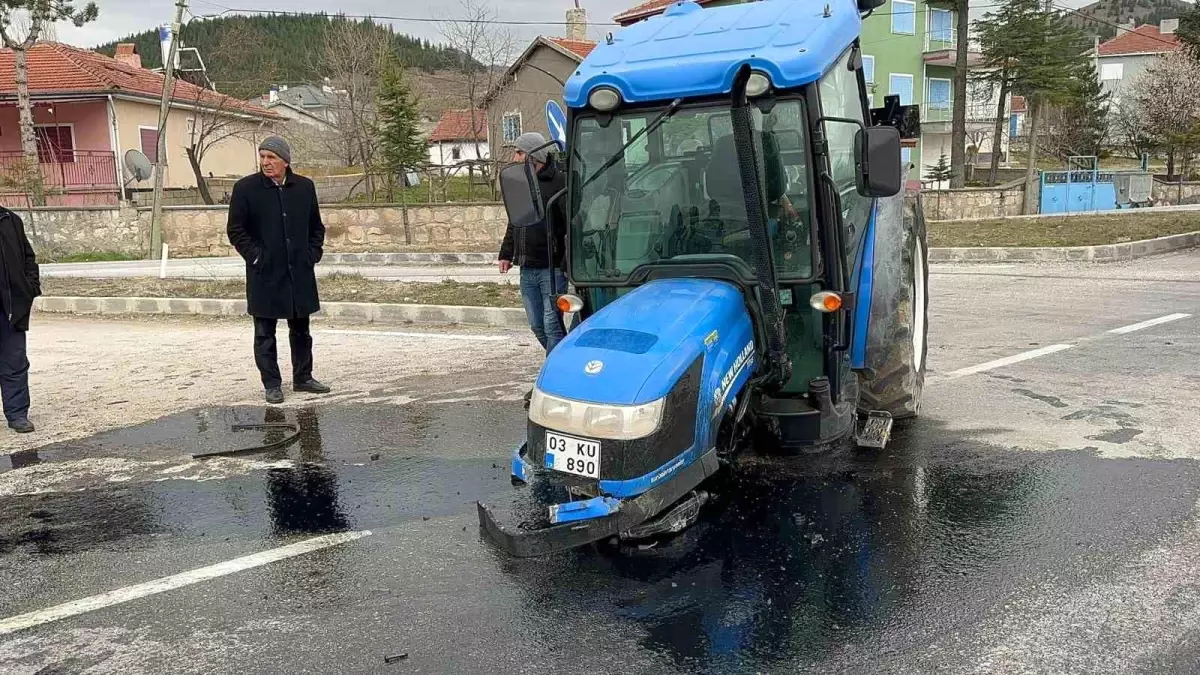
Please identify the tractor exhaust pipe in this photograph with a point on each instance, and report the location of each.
(778, 366)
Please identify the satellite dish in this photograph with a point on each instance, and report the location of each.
(138, 165)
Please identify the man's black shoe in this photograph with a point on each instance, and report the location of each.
(275, 395)
(21, 426)
(312, 387)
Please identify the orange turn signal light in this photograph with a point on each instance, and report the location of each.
(826, 301)
(569, 303)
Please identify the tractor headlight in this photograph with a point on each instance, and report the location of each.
(594, 420)
(604, 99)
(758, 84)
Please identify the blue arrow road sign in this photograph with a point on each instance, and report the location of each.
(556, 122)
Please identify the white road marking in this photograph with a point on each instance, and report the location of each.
(122, 595)
(1006, 361)
(440, 336)
(1147, 324)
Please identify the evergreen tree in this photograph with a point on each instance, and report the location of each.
(1081, 126)
(1045, 59)
(401, 145)
(940, 172)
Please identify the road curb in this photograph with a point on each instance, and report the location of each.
(349, 312)
(408, 259)
(1105, 253)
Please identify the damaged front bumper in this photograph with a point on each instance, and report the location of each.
(577, 523)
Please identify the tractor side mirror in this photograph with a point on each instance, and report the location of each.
(878, 152)
(522, 194)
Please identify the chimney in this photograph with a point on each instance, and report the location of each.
(127, 53)
(1168, 26)
(577, 23)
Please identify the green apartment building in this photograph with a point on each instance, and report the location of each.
(909, 49)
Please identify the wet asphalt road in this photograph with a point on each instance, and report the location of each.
(1039, 517)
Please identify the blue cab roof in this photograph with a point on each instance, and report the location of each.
(689, 51)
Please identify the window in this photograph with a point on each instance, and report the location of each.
(869, 69)
(456, 153)
(149, 140)
(55, 143)
(941, 25)
(678, 190)
(191, 126)
(905, 156)
(903, 86)
(904, 17)
(939, 94)
(840, 97)
(512, 126)
(1112, 71)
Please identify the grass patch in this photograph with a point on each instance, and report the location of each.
(332, 288)
(90, 256)
(1064, 231)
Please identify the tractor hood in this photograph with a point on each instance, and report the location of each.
(635, 349)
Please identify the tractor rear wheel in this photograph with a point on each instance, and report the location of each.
(901, 312)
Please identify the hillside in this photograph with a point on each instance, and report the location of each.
(1102, 18)
(245, 55)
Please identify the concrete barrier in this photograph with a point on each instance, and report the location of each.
(1106, 253)
(348, 312)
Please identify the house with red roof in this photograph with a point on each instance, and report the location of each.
(460, 137)
(90, 109)
(1121, 60)
(517, 102)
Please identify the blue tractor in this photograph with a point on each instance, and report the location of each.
(746, 271)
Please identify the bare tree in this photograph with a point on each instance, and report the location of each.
(215, 119)
(1165, 96)
(353, 57)
(40, 16)
(485, 50)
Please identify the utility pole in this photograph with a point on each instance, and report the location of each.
(164, 109)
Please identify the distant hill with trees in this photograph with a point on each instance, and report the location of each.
(1102, 18)
(288, 49)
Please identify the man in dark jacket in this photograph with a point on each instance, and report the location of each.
(529, 247)
(275, 225)
(20, 283)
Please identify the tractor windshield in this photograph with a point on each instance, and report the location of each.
(677, 190)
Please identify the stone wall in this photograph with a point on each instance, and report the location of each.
(200, 230)
(971, 203)
(1176, 194)
(84, 229)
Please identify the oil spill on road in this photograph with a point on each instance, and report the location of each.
(352, 467)
(807, 561)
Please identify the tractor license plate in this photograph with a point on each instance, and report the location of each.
(572, 455)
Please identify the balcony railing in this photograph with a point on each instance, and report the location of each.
(943, 111)
(67, 169)
(937, 40)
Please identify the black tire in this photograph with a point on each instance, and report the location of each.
(898, 379)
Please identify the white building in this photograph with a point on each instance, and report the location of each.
(459, 137)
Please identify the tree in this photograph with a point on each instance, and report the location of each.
(958, 120)
(42, 15)
(1165, 96)
(1188, 32)
(1002, 41)
(216, 117)
(402, 146)
(484, 51)
(940, 173)
(1081, 125)
(354, 54)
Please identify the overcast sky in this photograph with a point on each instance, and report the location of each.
(119, 18)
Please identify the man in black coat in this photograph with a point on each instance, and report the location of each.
(20, 283)
(275, 225)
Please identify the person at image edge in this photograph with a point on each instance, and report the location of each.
(20, 283)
